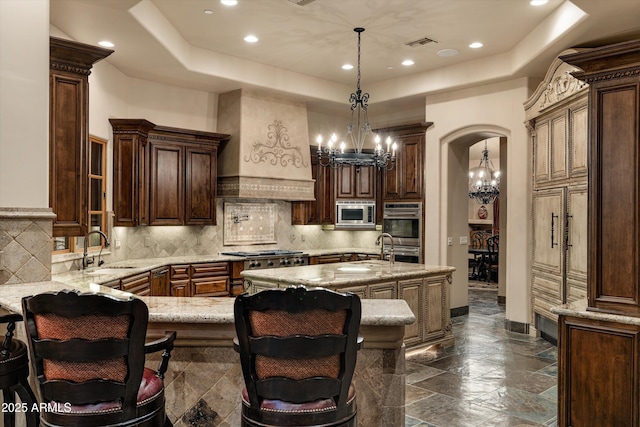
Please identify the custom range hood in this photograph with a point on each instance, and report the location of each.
(268, 154)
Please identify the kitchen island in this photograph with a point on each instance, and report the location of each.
(425, 289)
(204, 379)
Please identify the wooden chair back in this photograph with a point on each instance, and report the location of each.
(87, 348)
(298, 345)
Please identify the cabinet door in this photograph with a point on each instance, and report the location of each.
(541, 172)
(576, 240)
(437, 311)
(387, 290)
(68, 153)
(578, 117)
(548, 263)
(412, 158)
(326, 196)
(303, 213)
(160, 282)
(166, 192)
(558, 144)
(411, 292)
(598, 373)
(200, 186)
(345, 182)
(180, 288)
(365, 179)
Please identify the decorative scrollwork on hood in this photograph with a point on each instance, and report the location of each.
(277, 150)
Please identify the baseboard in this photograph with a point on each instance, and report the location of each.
(460, 311)
(518, 327)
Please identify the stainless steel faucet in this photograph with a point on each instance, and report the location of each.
(379, 240)
(85, 259)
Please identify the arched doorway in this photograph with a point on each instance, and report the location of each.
(455, 149)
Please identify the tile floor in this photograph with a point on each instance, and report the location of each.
(490, 377)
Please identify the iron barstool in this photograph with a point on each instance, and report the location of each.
(14, 376)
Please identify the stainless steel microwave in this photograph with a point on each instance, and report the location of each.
(355, 214)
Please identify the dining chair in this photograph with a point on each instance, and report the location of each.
(14, 376)
(88, 353)
(298, 351)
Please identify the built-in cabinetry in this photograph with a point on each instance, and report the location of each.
(322, 209)
(426, 294)
(200, 279)
(598, 373)
(342, 257)
(70, 66)
(356, 182)
(599, 347)
(557, 121)
(163, 175)
(345, 182)
(406, 180)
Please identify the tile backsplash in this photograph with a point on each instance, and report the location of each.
(167, 241)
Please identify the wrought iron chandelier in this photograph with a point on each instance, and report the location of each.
(484, 180)
(334, 154)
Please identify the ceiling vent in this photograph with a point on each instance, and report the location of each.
(302, 2)
(419, 42)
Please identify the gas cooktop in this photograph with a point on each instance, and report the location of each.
(266, 252)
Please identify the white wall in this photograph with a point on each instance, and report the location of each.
(24, 110)
(491, 109)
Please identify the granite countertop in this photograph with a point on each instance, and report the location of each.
(202, 310)
(579, 309)
(120, 269)
(345, 273)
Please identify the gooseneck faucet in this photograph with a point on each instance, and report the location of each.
(85, 259)
(379, 240)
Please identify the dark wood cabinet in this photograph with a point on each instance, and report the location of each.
(159, 279)
(210, 279)
(598, 368)
(138, 284)
(179, 283)
(70, 66)
(130, 172)
(354, 182)
(166, 187)
(200, 279)
(164, 175)
(406, 180)
(598, 373)
(613, 75)
(322, 209)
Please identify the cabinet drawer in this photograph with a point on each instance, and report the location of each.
(210, 269)
(179, 271)
(211, 287)
(114, 284)
(330, 259)
(138, 284)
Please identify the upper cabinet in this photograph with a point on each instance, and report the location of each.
(406, 180)
(613, 75)
(163, 175)
(322, 209)
(356, 182)
(70, 66)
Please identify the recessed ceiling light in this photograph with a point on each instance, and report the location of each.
(347, 67)
(251, 38)
(538, 2)
(448, 52)
(208, 12)
(476, 45)
(229, 2)
(106, 43)
(407, 62)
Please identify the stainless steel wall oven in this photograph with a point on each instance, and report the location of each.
(403, 220)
